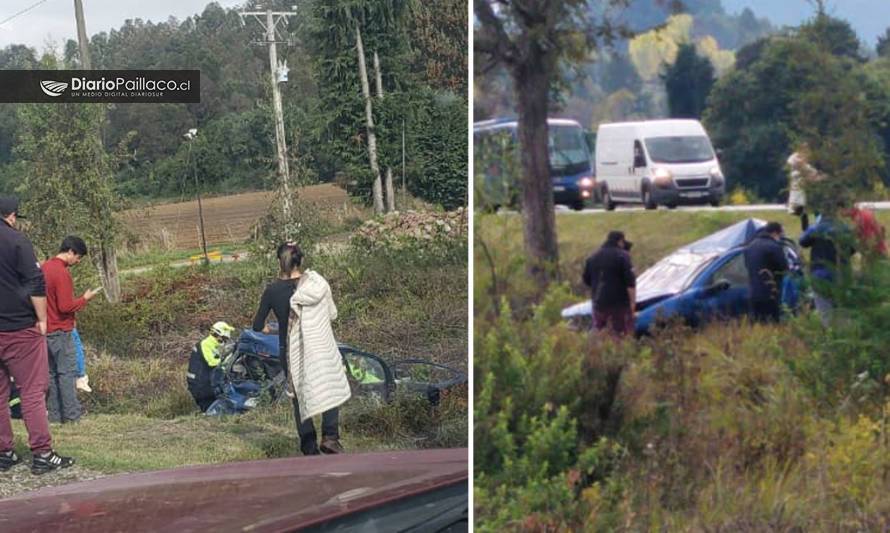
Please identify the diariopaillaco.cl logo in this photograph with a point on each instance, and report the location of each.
(53, 88)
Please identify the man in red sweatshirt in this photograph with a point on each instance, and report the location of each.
(61, 307)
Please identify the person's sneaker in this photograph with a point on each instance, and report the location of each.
(331, 446)
(49, 461)
(83, 383)
(8, 459)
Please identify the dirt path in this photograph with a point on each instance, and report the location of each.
(19, 479)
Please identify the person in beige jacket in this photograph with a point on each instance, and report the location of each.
(315, 375)
(316, 368)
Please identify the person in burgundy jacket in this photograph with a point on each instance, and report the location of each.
(61, 307)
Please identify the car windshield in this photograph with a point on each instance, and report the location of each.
(682, 149)
(567, 147)
(672, 275)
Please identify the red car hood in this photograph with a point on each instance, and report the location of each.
(269, 495)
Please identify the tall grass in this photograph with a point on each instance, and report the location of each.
(735, 427)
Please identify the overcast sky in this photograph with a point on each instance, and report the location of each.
(53, 20)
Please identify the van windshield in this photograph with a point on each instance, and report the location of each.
(684, 149)
(568, 150)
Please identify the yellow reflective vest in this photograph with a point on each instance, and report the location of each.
(210, 351)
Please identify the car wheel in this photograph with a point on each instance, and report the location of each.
(648, 203)
(577, 205)
(608, 203)
(715, 202)
(671, 206)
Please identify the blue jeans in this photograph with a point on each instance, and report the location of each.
(78, 346)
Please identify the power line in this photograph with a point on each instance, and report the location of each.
(22, 12)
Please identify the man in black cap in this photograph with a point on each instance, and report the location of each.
(23, 352)
(766, 264)
(613, 285)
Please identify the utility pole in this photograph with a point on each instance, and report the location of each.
(106, 260)
(82, 36)
(190, 137)
(269, 20)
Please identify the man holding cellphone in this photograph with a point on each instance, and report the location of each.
(23, 324)
(61, 307)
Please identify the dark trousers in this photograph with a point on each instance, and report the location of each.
(62, 403)
(23, 356)
(618, 320)
(765, 311)
(330, 429)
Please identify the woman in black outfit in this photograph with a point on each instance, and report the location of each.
(276, 298)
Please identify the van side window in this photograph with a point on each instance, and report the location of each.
(639, 156)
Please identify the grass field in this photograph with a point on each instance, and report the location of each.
(654, 234)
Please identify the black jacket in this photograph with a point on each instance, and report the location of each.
(766, 264)
(20, 279)
(609, 274)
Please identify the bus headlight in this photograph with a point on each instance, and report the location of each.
(663, 178)
(586, 182)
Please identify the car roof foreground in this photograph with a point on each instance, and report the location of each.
(267, 495)
(663, 278)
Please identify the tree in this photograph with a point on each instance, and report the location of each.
(688, 82)
(343, 121)
(439, 36)
(789, 90)
(832, 117)
(534, 40)
(883, 47)
(67, 185)
(833, 35)
(749, 113)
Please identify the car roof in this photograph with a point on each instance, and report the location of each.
(267, 495)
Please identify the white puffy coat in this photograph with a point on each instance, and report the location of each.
(316, 366)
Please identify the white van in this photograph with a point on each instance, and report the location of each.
(657, 162)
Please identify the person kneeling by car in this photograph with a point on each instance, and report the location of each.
(203, 362)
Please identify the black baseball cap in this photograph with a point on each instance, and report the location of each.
(9, 205)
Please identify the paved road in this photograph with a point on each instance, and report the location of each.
(696, 208)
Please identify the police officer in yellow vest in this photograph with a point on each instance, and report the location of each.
(204, 359)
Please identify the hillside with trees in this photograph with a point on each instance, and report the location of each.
(423, 80)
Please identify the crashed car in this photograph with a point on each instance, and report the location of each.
(251, 372)
(700, 282)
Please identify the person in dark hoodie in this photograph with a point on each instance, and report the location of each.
(613, 285)
(766, 265)
(832, 244)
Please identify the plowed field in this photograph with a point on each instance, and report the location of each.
(227, 219)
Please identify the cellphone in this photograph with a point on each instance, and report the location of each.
(99, 289)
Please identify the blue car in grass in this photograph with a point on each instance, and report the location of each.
(701, 282)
